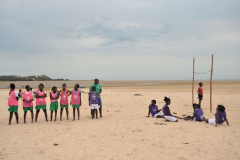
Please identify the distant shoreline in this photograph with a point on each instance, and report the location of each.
(29, 78)
(165, 84)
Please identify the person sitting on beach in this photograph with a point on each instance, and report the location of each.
(191, 117)
(166, 110)
(200, 93)
(153, 109)
(220, 116)
(198, 113)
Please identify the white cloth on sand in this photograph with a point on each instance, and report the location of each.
(170, 118)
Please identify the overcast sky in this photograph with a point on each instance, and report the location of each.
(120, 40)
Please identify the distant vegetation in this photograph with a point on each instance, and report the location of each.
(30, 78)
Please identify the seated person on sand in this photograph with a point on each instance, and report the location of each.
(153, 109)
(198, 113)
(220, 116)
(167, 113)
(191, 117)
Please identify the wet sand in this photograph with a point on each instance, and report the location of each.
(125, 132)
(158, 84)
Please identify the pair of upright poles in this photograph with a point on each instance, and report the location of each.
(210, 83)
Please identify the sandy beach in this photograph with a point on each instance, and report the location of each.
(125, 132)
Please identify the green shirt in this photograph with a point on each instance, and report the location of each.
(98, 88)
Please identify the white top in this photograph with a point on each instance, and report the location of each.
(41, 92)
(16, 94)
(27, 92)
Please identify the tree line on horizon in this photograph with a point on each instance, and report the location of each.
(29, 78)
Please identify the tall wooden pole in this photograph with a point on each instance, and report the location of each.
(193, 81)
(211, 85)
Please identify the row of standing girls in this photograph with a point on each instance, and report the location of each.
(40, 95)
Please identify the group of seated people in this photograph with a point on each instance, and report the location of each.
(220, 115)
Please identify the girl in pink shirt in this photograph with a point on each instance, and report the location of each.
(13, 103)
(41, 101)
(76, 101)
(54, 95)
(64, 93)
(27, 102)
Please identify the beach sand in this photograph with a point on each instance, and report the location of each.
(125, 132)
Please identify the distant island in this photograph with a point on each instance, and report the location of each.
(29, 78)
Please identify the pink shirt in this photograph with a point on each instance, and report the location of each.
(75, 99)
(12, 100)
(40, 101)
(53, 96)
(28, 97)
(64, 97)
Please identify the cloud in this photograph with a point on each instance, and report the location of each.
(109, 34)
(120, 38)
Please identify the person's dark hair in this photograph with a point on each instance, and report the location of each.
(96, 79)
(167, 99)
(94, 87)
(194, 104)
(221, 108)
(77, 85)
(53, 87)
(12, 86)
(154, 101)
(41, 85)
(198, 106)
(26, 86)
(200, 83)
(64, 84)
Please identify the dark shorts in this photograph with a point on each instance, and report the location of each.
(200, 96)
(100, 103)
